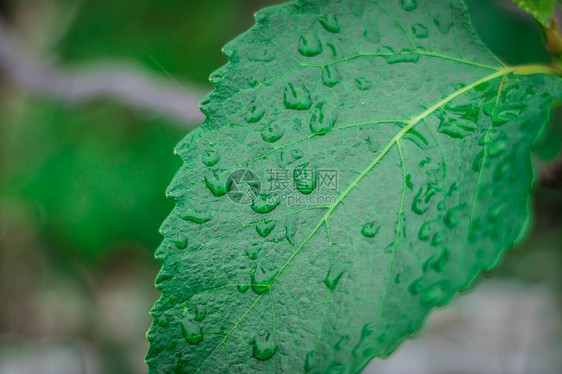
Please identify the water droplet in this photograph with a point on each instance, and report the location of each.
(334, 275)
(370, 229)
(200, 312)
(425, 231)
(210, 157)
(163, 323)
(409, 5)
(477, 162)
(218, 185)
(497, 145)
(305, 179)
(297, 97)
(196, 217)
(329, 25)
(272, 132)
(434, 295)
(263, 347)
(255, 114)
(309, 46)
(408, 182)
(415, 287)
(415, 137)
(192, 332)
(330, 76)
(265, 228)
(179, 239)
(265, 203)
(451, 218)
(440, 262)
(291, 229)
(437, 238)
(296, 154)
(322, 120)
(371, 33)
(343, 339)
(420, 31)
(242, 288)
(419, 205)
(444, 26)
(495, 212)
(262, 279)
(253, 251)
(372, 144)
(363, 84)
(506, 112)
(307, 362)
(400, 57)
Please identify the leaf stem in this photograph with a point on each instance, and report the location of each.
(535, 69)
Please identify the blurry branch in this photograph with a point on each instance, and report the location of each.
(134, 88)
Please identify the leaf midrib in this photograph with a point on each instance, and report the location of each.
(500, 72)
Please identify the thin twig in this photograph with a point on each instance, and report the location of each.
(126, 84)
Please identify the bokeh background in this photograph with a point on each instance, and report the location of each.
(82, 181)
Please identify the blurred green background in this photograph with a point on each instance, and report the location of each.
(82, 187)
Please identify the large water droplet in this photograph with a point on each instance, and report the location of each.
(272, 132)
(255, 114)
(297, 97)
(330, 76)
(305, 179)
(218, 185)
(265, 203)
(409, 5)
(210, 157)
(192, 332)
(370, 229)
(265, 228)
(420, 31)
(334, 275)
(329, 25)
(309, 46)
(263, 347)
(322, 120)
(262, 279)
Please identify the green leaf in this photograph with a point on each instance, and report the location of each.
(361, 162)
(541, 10)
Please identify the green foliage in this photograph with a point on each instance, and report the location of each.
(89, 189)
(541, 10)
(429, 138)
